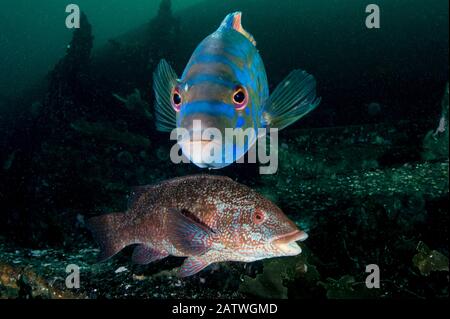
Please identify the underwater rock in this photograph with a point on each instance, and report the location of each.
(347, 287)
(374, 108)
(127, 62)
(355, 218)
(35, 108)
(163, 34)
(107, 132)
(18, 281)
(320, 152)
(9, 161)
(125, 158)
(268, 284)
(428, 260)
(69, 92)
(162, 153)
(44, 277)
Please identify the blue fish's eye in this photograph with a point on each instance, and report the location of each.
(240, 98)
(177, 100)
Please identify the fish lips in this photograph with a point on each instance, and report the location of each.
(287, 243)
(199, 152)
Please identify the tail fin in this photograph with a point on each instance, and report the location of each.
(109, 233)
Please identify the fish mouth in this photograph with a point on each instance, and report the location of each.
(198, 151)
(201, 141)
(204, 141)
(286, 243)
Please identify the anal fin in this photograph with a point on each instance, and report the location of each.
(191, 266)
(143, 254)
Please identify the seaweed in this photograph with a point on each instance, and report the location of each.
(347, 287)
(135, 103)
(268, 284)
(427, 260)
(282, 278)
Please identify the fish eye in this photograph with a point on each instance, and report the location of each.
(240, 98)
(176, 99)
(258, 217)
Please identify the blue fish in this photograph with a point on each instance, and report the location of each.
(224, 86)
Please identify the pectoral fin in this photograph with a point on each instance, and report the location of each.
(292, 99)
(164, 80)
(188, 235)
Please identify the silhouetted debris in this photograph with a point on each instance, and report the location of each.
(135, 103)
(435, 143)
(164, 33)
(69, 93)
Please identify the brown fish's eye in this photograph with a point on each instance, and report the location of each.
(258, 217)
(240, 98)
(177, 100)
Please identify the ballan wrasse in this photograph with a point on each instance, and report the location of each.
(224, 85)
(206, 218)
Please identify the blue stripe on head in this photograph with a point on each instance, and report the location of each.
(240, 122)
(213, 108)
(243, 76)
(210, 58)
(202, 78)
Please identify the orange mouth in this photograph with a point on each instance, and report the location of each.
(286, 244)
(296, 235)
(203, 142)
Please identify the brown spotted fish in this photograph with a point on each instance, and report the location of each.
(206, 218)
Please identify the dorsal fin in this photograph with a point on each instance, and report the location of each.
(233, 21)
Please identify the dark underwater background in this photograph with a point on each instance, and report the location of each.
(365, 174)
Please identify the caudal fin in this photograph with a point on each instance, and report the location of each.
(109, 233)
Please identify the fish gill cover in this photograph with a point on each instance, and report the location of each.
(365, 174)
